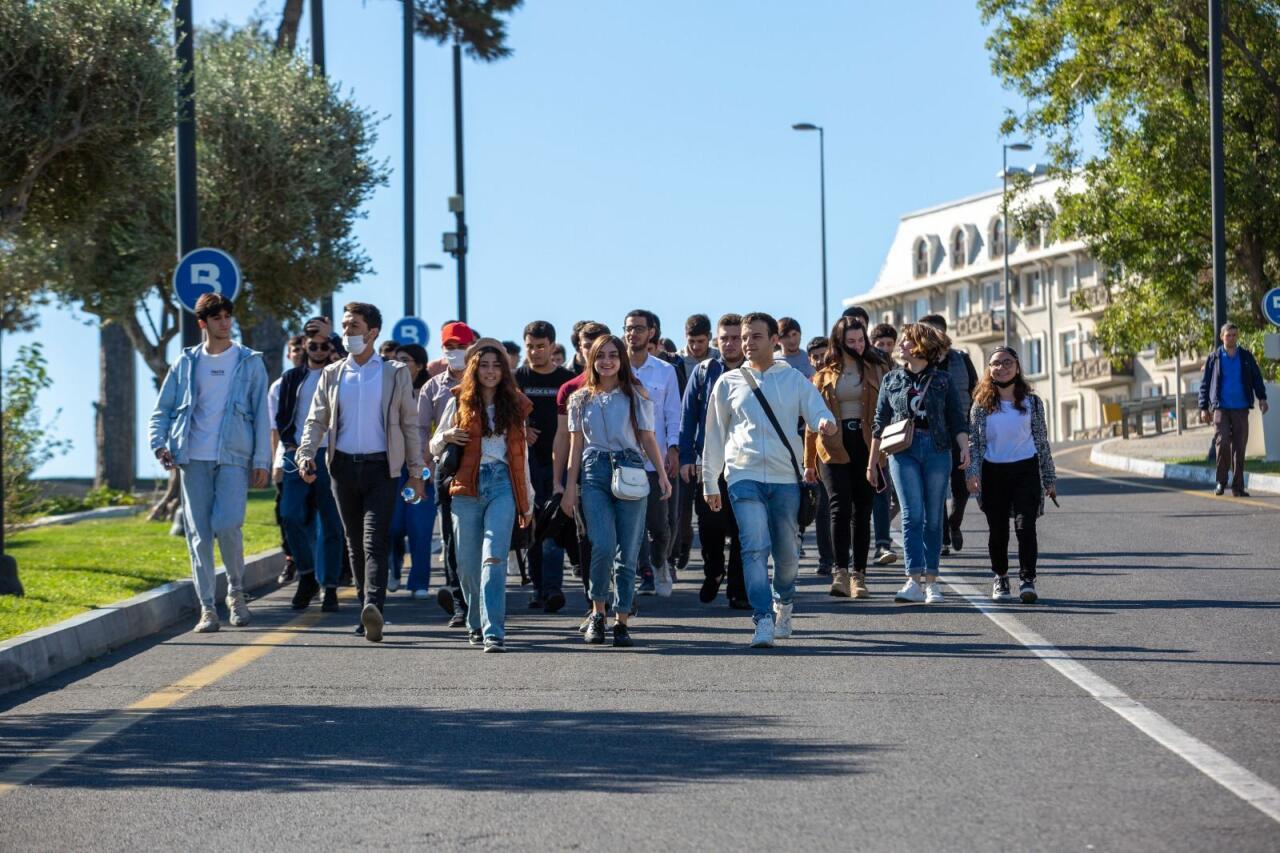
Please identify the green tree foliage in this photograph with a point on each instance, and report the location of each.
(26, 442)
(1143, 204)
(476, 24)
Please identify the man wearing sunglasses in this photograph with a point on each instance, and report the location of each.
(318, 558)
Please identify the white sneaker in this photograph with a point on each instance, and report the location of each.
(911, 593)
(421, 594)
(933, 593)
(208, 621)
(763, 637)
(662, 582)
(393, 583)
(239, 610)
(782, 621)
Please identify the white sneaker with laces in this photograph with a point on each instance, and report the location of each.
(239, 610)
(763, 637)
(912, 592)
(208, 621)
(421, 594)
(393, 583)
(933, 593)
(782, 621)
(662, 582)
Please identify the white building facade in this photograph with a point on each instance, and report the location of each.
(949, 260)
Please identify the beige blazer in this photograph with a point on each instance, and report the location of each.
(399, 413)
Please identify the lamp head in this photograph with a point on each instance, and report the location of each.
(1018, 146)
(804, 125)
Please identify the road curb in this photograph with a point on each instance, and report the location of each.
(86, 515)
(1102, 455)
(37, 655)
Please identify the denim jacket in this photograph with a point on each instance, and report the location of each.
(693, 409)
(942, 406)
(245, 435)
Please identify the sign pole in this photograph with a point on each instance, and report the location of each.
(185, 151)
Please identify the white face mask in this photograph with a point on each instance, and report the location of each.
(354, 343)
(457, 358)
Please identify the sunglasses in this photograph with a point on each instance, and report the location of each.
(319, 347)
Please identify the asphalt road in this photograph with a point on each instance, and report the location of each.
(877, 727)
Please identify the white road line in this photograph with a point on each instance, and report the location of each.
(1254, 790)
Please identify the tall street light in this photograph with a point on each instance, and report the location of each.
(1217, 193)
(408, 177)
(1004, 231)
(822, 189)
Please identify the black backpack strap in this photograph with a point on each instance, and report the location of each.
(768, 410)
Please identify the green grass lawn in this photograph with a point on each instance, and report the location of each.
(1252, 464)
(68, 569)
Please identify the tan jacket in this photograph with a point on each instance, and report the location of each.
(830, 448)
(399, 413)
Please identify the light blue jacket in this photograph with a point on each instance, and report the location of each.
(244, 438)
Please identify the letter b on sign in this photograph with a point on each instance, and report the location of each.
(410, 330)
(205, 271)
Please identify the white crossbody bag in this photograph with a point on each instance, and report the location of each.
(628, 482)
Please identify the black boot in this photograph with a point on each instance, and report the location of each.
(330, 603)
(307, 589)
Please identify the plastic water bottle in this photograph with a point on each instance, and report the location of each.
(410, 496)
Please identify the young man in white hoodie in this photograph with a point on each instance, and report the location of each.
(757, 464)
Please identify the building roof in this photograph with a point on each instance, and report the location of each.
(935, 226)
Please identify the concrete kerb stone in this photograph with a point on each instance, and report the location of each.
(1104, 454)
(39, 654)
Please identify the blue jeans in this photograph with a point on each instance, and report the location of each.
(614, 527)
(213, 502)
(482, 536)
(415, 521)
(766, 516)
(922, 477)
(315, 540)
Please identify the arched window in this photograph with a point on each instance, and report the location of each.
(1033, 236)
(921, 256)
(959, 253)
(997, 237)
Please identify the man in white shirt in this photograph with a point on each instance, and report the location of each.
(363, 407)
(760, 462)
(660, 383)
(211, 421)
(296, 355)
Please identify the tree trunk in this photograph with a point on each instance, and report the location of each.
(116, 410)
(269, 336)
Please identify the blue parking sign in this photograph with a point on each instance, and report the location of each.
(1271, 306)
(411, 330)
(202, 271)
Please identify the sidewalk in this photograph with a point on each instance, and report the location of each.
(1154, 455)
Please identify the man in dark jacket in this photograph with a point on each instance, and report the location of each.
(965, 377)
(1231, 381)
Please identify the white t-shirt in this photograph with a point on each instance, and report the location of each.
(213, 384)
(1009, 434)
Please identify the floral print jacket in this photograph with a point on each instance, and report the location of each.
(1039, 434)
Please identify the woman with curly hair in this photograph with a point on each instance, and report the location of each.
(491, 490)
(1010, 468)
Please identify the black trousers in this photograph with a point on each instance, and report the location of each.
(655, 544)
(713, 529)
(682, 541)
(852, 499)
(959, 496)
(284, 540)
(1012, 488)
(448, 551)
(366, 498)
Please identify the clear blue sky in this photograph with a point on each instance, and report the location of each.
(640, 154)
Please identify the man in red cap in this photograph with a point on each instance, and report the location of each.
(455, 337)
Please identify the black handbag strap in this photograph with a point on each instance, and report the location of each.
(768, 410)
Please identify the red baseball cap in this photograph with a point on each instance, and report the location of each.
(457, 332)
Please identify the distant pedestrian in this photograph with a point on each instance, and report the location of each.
(965, 377)
(364, 406)
(1010, 468)
(414, 522)
(884, 509)
(789, 349)
(1231, 382)
(513, 353)
(491, 491)
(751, 438)
(611, 429)
(921, 394)
(849, 382)
(294, 355)
(211, 421)
(816, 349)
(558, 355)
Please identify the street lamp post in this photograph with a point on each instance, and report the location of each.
(822, 195)
(1217, 191)
(1004, 234)
(408, 177)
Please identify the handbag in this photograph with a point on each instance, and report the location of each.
(808, 493)
(628, 482)
(897, 436)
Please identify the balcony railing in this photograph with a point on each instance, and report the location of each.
(985, 326)
(1091, 300)
(1102, 370)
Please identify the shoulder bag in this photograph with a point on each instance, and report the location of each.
(808, 493)
(628, 482)
(897, 436)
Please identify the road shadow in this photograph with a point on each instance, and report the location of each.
(297, 748)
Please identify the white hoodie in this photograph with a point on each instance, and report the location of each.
(741, 441)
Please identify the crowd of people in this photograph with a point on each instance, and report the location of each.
(603, 457)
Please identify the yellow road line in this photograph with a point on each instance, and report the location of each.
(87, 738)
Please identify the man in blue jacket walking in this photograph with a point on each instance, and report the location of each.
(211, 422)
(1231, 380)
